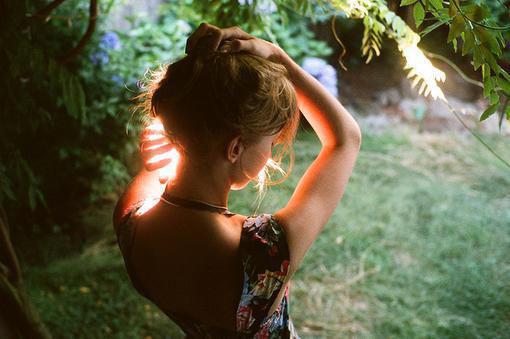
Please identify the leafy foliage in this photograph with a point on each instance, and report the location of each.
(63, 142)
(472, 23)
(78, 111)
(473, 26)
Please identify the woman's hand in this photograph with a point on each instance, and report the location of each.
(157, 151)
(208, 38)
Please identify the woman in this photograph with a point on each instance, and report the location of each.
(224, 106)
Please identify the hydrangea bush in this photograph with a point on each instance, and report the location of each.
(322, 71)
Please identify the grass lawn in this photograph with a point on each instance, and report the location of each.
(419, 247)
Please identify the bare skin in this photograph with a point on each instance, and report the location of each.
(187, 259)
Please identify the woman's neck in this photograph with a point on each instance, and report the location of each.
(209, 184)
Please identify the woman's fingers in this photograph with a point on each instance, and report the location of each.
(152, 144)
(163, 178)
(152, 165)
(229, 34)
(209, 37)
(156, 149)
(193, 38)
(156, 156)
(166, 173)
(241, 45)
(148, 135)
(154, 131)
(234, 32)
(205, 30)
(254, 46)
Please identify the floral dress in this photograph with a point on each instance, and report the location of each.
(265, 258)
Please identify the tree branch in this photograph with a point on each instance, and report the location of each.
(45, 12)
(73, 53)
(18, 314)
(7, 255)
(455, 67)
(496, 28)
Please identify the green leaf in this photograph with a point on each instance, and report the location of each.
(488, 84)
(477, 58)
(418, 14)
(490, 59)
(488, 112)
(469, 42)
(504, 74)
(73, 95)
(456, 27)
(494, 98)
(488, 39)
(407, 2)
(430, 28)
(474, 12)
(486, 71)
(505, 85)
(5, 185)
(452, 9)
(437, 4)
(32, 197)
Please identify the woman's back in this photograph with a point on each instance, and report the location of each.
(212, 274)
(182, 254)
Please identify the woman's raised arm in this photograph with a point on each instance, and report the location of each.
(327, 116)
(322, 186)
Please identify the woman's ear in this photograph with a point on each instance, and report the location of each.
(234, 149)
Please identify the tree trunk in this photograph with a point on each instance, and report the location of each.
(18, 318)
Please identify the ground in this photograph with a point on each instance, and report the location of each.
(417, 248)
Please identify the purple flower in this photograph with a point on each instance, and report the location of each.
(262, 6)
(117, 79)
(322, 71)
(110, 40)
(99, 58)
(313, 65)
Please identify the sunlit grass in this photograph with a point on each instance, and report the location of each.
(418, 248)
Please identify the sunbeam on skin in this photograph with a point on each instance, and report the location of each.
(166, 173)
(147, 205)
(169, 172)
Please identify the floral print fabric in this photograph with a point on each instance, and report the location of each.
(265, 256)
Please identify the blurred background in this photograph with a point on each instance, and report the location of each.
(418, 247)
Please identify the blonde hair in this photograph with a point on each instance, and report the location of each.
(201, 99)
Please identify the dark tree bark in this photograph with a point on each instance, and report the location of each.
(18, 318)
(44, 13)
(73, 53)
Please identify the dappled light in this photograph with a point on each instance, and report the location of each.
(421, 69)
(397, 176)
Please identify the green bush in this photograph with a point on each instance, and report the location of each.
(63, 140)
